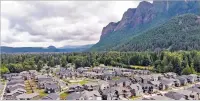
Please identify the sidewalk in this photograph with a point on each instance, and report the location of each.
(3, 91)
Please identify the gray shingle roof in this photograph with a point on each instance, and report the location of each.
(174, 95)
(73, 96)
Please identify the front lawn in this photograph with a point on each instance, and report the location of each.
(135, 97)
(41, 92)
(63, 96)
(115, 78)
(81, 82)
(142, 67)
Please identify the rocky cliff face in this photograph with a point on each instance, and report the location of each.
(146, 12)
(109, 28)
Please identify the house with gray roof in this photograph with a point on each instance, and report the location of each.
(25, 96)
(103, 84)
(123, 82)
(9, 75)
(52, 88)
(156, 77)
(175, 95)
(91, 95)
(13, 94)
(189, 95)
(75, 88)
(13, 82)
(145, 78)
(156, 84)
(110, 94)
(91, 86)
(147, 88)
(166, 84)
(183, 80)
(170, 75)
(74, 96)
(135, 89)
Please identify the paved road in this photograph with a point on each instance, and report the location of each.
(3, 91)
(173, 89)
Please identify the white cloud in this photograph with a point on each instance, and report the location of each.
(58, 23)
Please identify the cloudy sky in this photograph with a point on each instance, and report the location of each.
(40, 24)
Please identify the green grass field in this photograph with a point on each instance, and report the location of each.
(63, 96)
(142, 67)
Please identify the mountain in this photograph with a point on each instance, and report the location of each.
(179, 33)
(79, 48)
(5, 49)
(138, 20)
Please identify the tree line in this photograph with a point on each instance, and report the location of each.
(180, 62)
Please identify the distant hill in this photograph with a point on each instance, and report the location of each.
(5, 49)
(141, 19)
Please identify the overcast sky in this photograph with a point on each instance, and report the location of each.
(40, 24)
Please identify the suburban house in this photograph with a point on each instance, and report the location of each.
(8, 76)
(136, 89)
(13, 94)
(31, 96)
(156, 77)
(91, 95)
(25, 75)
(156, 84)
(52, 88)
(110, 94)
(189, 95)
(91, 86)
(175, 96)
(11, 88)
(75, 88)
(166, 84)
(182, 80)
(13, 82)
(145, 78)
(123, 82)
(191, 78)
(103, 85)
(170, 75)
(147, 88)
(74, 96)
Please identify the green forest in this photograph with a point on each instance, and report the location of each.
(179, 33)
(180, 62)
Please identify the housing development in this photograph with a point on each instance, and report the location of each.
(98, 83)
(100, 50)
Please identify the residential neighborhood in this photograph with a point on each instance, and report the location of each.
(98, 83)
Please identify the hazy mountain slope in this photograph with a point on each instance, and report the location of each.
(5, 49)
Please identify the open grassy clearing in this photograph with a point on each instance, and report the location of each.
(41, 92)
(142, 67)
(135, 97)
(63, 96)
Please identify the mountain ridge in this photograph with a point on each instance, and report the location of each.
(137, 20)
(81, 48)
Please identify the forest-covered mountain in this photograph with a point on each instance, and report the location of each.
(5, 49)
(179, 33)
(137, 21)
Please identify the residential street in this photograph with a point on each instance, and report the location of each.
(3, 91)
(173, 89)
